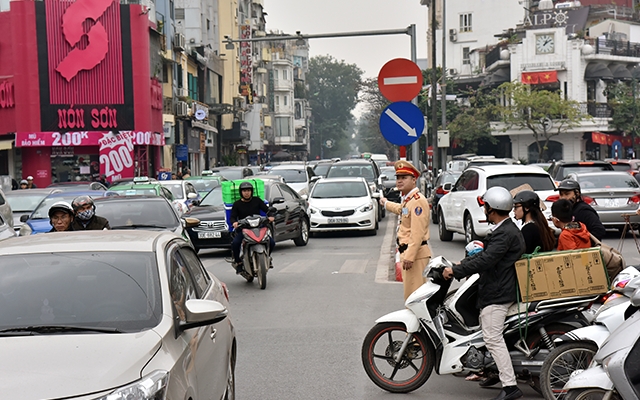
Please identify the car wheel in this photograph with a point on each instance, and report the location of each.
(434, 215)
(445, 235)
(469, 232)
(303, 238)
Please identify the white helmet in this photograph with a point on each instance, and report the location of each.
(498, 198)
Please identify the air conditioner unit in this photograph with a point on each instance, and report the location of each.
(239, 102)
(183, 92)
(179, 41)
(182, 109)
(453, 71)
(453, 34)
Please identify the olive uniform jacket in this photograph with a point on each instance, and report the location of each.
(413, 229)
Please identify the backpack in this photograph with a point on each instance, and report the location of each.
(612, 258)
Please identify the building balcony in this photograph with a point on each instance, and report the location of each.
(596, 110)
(297, 140)
(236, 134)
(493, 57)
(282, 85)
(280, 109)
(612, 50)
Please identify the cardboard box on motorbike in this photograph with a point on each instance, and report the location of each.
(557, 274)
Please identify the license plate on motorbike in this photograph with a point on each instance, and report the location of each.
(338, 220)
(209, 235)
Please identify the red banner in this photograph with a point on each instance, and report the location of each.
(530, 78)
(534, 78)
(116, 156)
(50, 139)
(603, 138)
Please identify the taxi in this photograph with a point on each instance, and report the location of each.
(206, 181)
(141, 185)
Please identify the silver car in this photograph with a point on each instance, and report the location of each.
(112, 315)
(611, 194)
(5, 210)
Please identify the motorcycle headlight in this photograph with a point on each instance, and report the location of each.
(25, 230)
(254, 222)
(150, 387)
(367, 208)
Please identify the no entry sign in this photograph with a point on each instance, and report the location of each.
(400, 80)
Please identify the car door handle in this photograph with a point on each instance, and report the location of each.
(213, 333)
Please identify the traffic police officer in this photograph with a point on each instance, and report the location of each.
(413, 228)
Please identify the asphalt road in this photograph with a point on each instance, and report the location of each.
(301, 337)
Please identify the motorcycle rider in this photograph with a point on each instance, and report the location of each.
(61, 216)
(535, 229)
(247, 206)
(582, 212)
(86, 218)
(497, 284)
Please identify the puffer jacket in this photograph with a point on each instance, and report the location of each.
(574, 236)
(496, 265)
(96, 223)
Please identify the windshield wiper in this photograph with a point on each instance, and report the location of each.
(136, 226)
(44, 329)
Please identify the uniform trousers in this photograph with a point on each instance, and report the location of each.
(412, 279)
(492, 322)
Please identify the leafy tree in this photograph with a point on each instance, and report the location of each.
(626, 107)
(546, 114)
(333, 94)
(471, 126)
(369, 137)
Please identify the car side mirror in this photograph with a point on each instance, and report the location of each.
(190, 222)
(24, 218)
(304, 197)
(447, 187)
(278, 200)
(192, 195)
(314, 179)
(384, 178)
(375, 195)
(200, 312)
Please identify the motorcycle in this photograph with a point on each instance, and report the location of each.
(576, 349)
(442, 331)
(614, 373)
(255, 250)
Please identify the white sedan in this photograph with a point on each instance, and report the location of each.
(343, 204)
(184, 193)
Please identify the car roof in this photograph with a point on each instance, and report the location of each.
(78, 193)
(102, 241)
(289, 166)
(583, 162)
(357, 161)
(600, 173)
(150, 185)
(35, 191)
(174, 181)
(512, 168)
(343, 179)
(137, 197)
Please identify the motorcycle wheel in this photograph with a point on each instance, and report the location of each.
(560, 363)
(260, 260)
(534, 340)
(589, 394)
(381, 344)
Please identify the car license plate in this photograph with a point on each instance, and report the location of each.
(338, 220)
(209, 235)
(613, 203)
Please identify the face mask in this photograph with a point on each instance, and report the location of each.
(86, 215)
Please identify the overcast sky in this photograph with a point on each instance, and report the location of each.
(330, 16)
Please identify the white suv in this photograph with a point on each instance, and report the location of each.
(460, 210)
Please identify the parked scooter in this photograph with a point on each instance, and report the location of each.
(614, 373)
(255, 250)
(401, 350)
(576, 349)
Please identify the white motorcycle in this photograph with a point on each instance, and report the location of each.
(442, 331)
(576, 349)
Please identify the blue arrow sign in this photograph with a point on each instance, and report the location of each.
(401, 123)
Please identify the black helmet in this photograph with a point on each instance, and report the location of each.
(60, 206)
(568, 184)
(82, 201)
(244, 186)
(527, 198)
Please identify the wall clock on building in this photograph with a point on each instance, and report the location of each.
(545, 43)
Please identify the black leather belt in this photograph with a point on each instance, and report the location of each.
(403, 247)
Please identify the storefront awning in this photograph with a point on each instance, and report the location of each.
(6, 144)
(620, 72)
(596, 71)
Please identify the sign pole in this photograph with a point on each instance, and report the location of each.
(403, 152)
(434, 85)
(415, 147)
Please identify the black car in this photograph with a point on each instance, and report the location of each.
(439, 190)
(390, 191)
(291, 221)
(560, 169)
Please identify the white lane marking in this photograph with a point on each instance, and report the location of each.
(410, 131)
(400, 80)
(297, 267)
(353, 266)
(382, 270)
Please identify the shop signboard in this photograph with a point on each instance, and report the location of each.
(116, 156)
(49, 139)
(182, 152)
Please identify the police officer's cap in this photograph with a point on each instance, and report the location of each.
(406, 168)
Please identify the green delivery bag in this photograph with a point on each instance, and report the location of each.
(231, 189)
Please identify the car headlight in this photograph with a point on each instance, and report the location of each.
(367, 208)
(150, 387)
(25, 230)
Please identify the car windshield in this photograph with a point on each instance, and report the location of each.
(135, 191)
(291, 175)
(389, 173)
(621, 167)
(342, 171)
(138, 212)
(176, 190)
(564, 171)
(231, 173)
(42, 211)
(204, 185)
(336, 190)
(607, 181)
(118, 290)
(512, 181)
(24, 203)
(321, 169)
(214, 198)
(450, 178)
